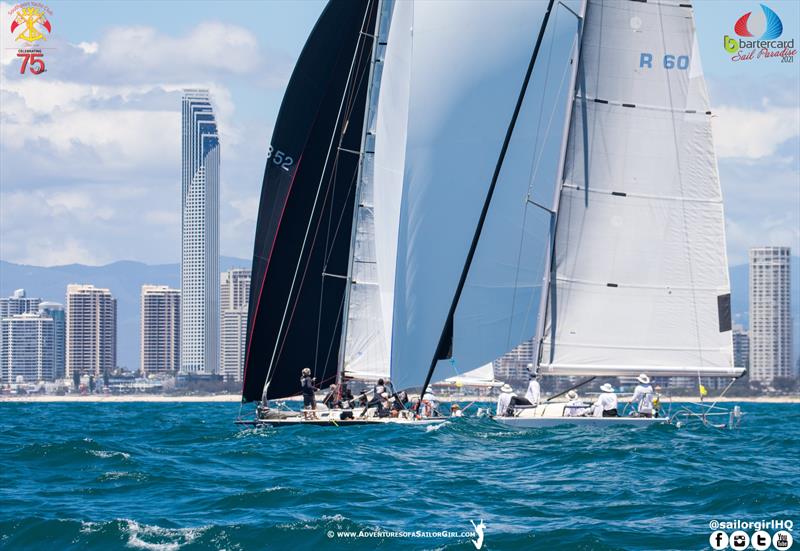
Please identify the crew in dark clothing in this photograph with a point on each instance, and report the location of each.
(346, 396)
(307, 388)
(331, 399)
(362, 399)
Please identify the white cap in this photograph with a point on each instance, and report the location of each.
(506, 388)
(643, 378)
(607, 388)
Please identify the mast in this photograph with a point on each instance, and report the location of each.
(445, 344)
(549, 261)
(381, 5)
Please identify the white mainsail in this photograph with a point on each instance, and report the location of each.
(467, 64)
(640, 280)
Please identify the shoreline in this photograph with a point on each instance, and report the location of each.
(235, 398)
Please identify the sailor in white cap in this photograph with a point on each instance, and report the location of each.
(643, 396)
(606, 403)
(534, 390)
(504, 400)
(429, 404)
(575, 407)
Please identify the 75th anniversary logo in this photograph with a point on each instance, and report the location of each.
(30, 26)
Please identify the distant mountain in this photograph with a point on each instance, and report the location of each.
(124, 279)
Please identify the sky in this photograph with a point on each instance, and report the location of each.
(90, 149)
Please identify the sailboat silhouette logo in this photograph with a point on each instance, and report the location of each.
(479, 528)
(772, 25)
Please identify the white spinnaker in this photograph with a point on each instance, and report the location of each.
(390, 151)
(366, 354)
(640, 243)
(468, 62)
(499, 305)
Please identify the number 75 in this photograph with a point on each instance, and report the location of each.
(35, 60)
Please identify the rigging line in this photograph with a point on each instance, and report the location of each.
(314, 206)
(448, 325)
(686, 237)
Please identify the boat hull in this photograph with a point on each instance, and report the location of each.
(535, 422)
(293, 421)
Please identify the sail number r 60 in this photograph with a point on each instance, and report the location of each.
(669, 61)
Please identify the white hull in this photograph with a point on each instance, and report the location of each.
(534, 422)
(552, 414)
(333, 418)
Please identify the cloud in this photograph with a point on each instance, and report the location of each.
(754, 134)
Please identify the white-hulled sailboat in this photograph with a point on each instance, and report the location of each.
(638, 278)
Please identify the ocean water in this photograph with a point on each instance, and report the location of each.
(183, 476)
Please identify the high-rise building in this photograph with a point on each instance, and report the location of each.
(27, 348)
(514, 365)
(160, 329)
(234, 298)
(741, 347)
(17, 303)
(770, 314)
(200, 318)
(56, 312)
(91, 330)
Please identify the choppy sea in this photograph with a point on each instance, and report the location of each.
(183, 476)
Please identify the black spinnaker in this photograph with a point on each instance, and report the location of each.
(305, 214)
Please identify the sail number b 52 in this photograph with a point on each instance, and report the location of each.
(669, 61)
(280, 158)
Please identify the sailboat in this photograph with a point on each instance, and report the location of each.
(637, 278)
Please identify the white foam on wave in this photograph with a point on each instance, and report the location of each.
(431, 428)
(139, 534)
(106, 454)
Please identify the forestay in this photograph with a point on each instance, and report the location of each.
(640, 280)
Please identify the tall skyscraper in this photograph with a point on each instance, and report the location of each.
(56, 312)
(200, 317)
(27, 348)
(513, 366)
(160, 329)
(770, 314)
(91, 330)
(234, 297)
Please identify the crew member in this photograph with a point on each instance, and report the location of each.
(331, 399)
(307, 388)
(643, 397)
(504, 400)
(606, 403)
(534, 391)
(575, 407)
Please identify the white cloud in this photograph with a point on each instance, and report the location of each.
(754, 134)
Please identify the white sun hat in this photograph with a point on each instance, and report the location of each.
(643, 378)
(506, 388)
(607, 388)
(572, 394)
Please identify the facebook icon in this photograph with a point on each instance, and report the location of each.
(718, 540)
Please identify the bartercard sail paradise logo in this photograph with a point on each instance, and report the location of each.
(30, 25)
(768, 27)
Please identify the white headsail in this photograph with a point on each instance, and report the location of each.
(640, 280)
(468, 62)
(366, 350)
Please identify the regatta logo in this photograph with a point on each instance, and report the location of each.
(768, 27)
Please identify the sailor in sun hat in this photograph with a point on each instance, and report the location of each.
(643, 396)
(606, 403)
(504, 400)
(575, 407)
